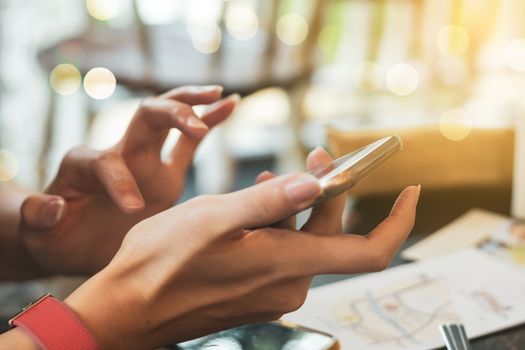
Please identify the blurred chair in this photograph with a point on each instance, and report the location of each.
(455, 175)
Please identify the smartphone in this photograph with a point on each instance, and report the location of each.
(278, 335)
(345, 172)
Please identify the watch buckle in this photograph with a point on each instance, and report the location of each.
(27, 308)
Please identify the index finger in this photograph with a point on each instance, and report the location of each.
(326, 217)
(194, 94)
(157, 115)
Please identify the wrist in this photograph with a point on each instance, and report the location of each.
(17, 339)
(16, 262)
(111, 311)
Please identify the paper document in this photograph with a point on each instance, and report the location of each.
(469, 230)
(401, 308)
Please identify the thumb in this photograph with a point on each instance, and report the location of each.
(42, 211)
(269, 201)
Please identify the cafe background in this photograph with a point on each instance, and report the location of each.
(448, 74)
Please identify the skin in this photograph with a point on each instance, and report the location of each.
(195, 272)
(78, 224)
(198, 267)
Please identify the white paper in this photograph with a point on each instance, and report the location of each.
(469, 230)
(401, 308)
(518, 181)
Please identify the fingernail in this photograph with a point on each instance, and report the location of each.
(54, 210)
(264, 176)
(411, 192)
(210, 88)
(234, 97)
(302, 189)
(131, 201)
(196, 123)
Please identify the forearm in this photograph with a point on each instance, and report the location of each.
(17, 339)
(14, 261)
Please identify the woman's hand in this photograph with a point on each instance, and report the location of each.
(196, 268)
(97, 196)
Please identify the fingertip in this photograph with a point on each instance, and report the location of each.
(198, 127)
(407, 199)
(317, 157)
(60, 206)
(132, 203)
(302, 189)
(264, 176)
(133, 210)
(235, 98)
(43, 211)
(231, 101)
(211, 93)
(212, 88)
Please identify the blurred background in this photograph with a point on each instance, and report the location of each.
(74, 71)
(447, 75)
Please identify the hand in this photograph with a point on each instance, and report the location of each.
(195, 269)
(97, 196)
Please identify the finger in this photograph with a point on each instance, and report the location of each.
(153, 120)
(288, 223)
(42, 211)
(326, 217)
(184, 150)
(265, 203)
(309, 254)
(86, 170)
(220, 110)
(264, 176)
(116, 178)
(194, 95)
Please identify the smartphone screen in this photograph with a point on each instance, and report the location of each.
(263, 336)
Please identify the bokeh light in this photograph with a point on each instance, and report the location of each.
(203, 13)
(368, 76)
(515, 55)
(402, 79)
(9, 165)
(292, 29)
(158, 12)
(65, 79)
(241, 22)
(206, 39)
(103, 10)
(455, 125)
(452, 71)
(99, 83)
(452, 40)
(329, 39)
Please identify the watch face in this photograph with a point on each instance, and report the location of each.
(343, 173)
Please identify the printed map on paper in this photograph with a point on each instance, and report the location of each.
(401, 308)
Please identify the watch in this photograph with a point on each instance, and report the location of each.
(54, 326)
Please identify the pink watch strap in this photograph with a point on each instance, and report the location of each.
(54, 326)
